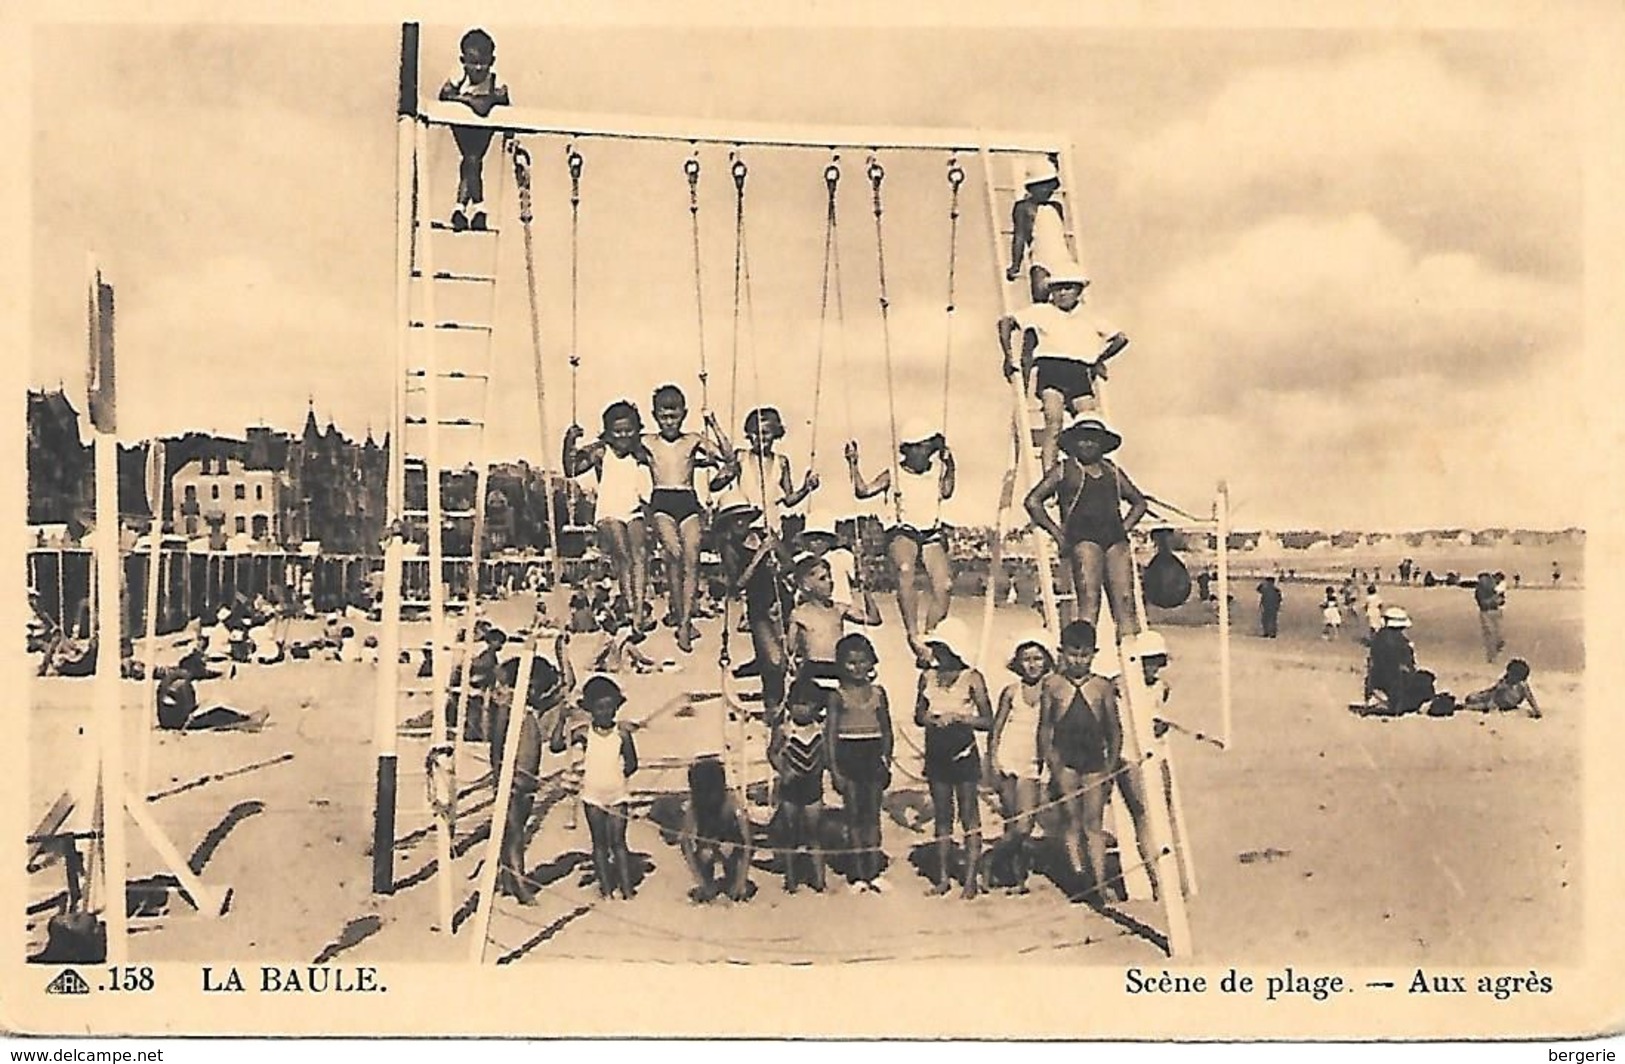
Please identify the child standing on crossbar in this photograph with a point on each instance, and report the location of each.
(478, 89)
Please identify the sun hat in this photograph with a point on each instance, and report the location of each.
(917, 430)
(952, 634)
(1066, 271)
(1093, 421)
(1395, 617)
(1040, 171)
(1149, 644)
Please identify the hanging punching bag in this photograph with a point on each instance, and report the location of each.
(1167, 582)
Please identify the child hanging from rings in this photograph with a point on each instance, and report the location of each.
(621, 463)
(674, 506)
(479, 90)
(799, 753)
(952, 706)
(1093, 530)
(918, 537)
(609, 758)
(1063, 349)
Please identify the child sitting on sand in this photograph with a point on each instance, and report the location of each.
(715, 838)
(609, 758)
(952, 706)
(618, 651)
(178, 708)
(674, 506)
(860, 752)
(817, 624)
(1508, 693)
(1080, 739)
(799, 753)
(1012, 749)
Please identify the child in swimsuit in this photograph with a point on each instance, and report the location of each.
(952, 706)
(860, 752)
(716, 835)
(609, 757)
(918, 537)
(1508, 693)
(1093, 531)
(479, 89)
(1012, 748)
(621, 462)
(674, 506)
(1079, 740)
(799, 752)
(817, 624)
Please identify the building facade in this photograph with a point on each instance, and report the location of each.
(219, 493)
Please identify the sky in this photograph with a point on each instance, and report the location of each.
(1347, 261)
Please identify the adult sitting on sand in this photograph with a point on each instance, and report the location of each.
(178, 708)
(1394, 685)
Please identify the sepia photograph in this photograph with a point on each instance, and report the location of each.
(833, 500)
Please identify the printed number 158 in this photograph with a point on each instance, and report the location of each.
(129, 978)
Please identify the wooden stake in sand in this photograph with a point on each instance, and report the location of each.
(155, 557)
(517, 709)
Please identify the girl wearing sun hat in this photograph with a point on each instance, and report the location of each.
(1093, 530)
(952, 706)
(925, 479)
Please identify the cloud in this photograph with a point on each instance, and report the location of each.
(1437, 155)
(1302, 302)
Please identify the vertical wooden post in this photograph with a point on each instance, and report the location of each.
(1224, 615)
(517, 708)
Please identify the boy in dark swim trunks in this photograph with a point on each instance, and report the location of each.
(817, 624)
(1093, 531)
(479, 90)
(1080, 738)
(799, 752)
(674, 507)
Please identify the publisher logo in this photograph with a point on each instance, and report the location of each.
(67, 981)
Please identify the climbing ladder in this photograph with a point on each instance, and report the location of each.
(447, 301)
(1140, 746)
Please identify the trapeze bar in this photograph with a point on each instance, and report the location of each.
(773, 135)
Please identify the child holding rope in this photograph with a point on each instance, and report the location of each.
(799, 753)
(918, 537)
(1080, 739)
(621, 463)
(1012, 750)
(1093, 530)
(609, 757)
(1065, 348)
(674, 506)
(480, 91)
(952, 706)
(859, 733)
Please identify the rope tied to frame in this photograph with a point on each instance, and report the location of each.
(691, 169)
(956, 178)
(877, 176)
(574, 162)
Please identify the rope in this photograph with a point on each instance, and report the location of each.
(574, 161)
(877, 174)
(832, 179)
(691, 168)
(550, 516)
(956, 178)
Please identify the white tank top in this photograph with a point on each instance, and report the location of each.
(759, 483)
(603, 782)
(623, 484)
(1018, 742)
(919, 497)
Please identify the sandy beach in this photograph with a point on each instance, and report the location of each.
(1316, 836)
